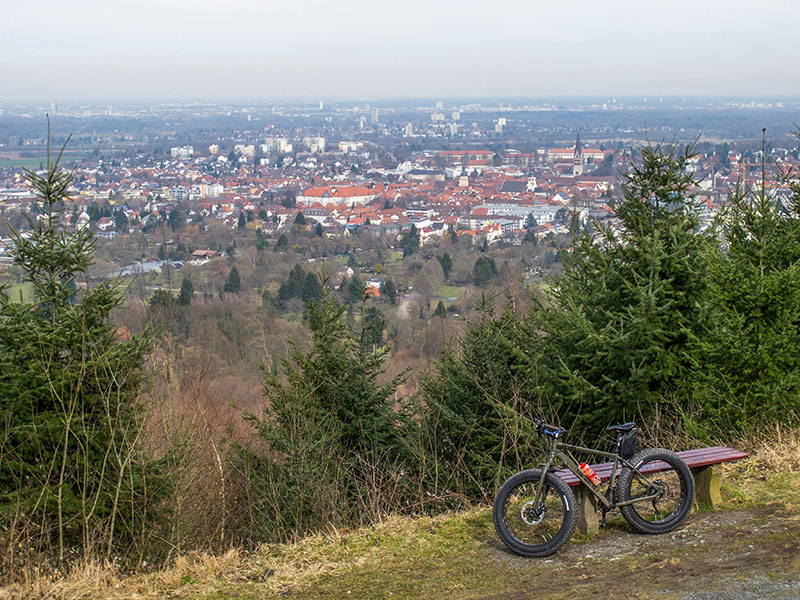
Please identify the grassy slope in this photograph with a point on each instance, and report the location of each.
(756, 534)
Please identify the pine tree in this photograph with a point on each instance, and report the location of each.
(483, 271)
(233, 285)
(312, 290)
(626, 308)
(747, 360)
(447, 264)
(410, 241)
(474, 425)
(389, 291)
(322, 427)
(187, 292)
(70, 467)
(355, 290)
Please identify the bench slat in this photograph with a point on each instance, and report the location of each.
(699, 457)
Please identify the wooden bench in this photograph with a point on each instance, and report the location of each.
(701, 461)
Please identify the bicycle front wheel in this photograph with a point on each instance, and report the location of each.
(660, 495)
(532, 528)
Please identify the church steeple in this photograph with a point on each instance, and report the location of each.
(577, 157)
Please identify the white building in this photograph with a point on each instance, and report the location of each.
(181, 152)
(246, 150)
(314, 143)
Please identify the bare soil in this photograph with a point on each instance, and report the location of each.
(734, 554)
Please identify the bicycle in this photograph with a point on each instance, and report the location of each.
(535, 512)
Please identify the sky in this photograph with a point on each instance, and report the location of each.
(353, 49)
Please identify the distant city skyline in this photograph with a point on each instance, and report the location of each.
(246, 49)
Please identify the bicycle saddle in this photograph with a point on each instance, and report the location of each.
(621, 428)
(551, 430)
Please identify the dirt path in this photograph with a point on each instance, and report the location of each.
(722, 555)
(405, 303)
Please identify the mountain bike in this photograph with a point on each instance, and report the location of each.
(535, 512)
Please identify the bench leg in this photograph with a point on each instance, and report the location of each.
(587, 511)
(706, 485)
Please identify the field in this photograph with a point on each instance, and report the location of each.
(15, 161)
(25, 289)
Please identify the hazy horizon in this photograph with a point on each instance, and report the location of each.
(242, 50)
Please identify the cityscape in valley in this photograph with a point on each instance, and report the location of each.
(490, 172)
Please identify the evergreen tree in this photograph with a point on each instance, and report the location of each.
(483, 271)
(747, 362)
(389, 291)
(176, 219)
(626, 308)
(321, 428)
(476, 425)
(355, 290)
(121, 222)
(373, 326)
(233, 285)
(300, 219)
(282, 243)
(410, 241)
(187, 292)
(70, 466)
(447, 264)
(318, 230)
(440, 311)
(312, 290)
(240, 224)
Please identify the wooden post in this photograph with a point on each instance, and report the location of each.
(587, 510)
(706, 486)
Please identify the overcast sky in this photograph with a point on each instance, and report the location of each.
(320, 49)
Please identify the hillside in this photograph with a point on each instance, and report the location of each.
(750, 548)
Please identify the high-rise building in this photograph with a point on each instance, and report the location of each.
(373, 116)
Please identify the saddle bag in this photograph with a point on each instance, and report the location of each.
(627, 444)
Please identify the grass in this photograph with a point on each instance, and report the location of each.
(448, 291)
(457, 555)
(15, 289)
(34, 161)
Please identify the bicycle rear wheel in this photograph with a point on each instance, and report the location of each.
(662, 494)
(530, 529)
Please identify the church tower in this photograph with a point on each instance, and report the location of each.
(577, 158)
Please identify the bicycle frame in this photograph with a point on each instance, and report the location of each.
(556, 454)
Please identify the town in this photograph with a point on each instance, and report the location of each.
(487, 173)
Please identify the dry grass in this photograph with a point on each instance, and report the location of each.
(274, 567)
(771, 475)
